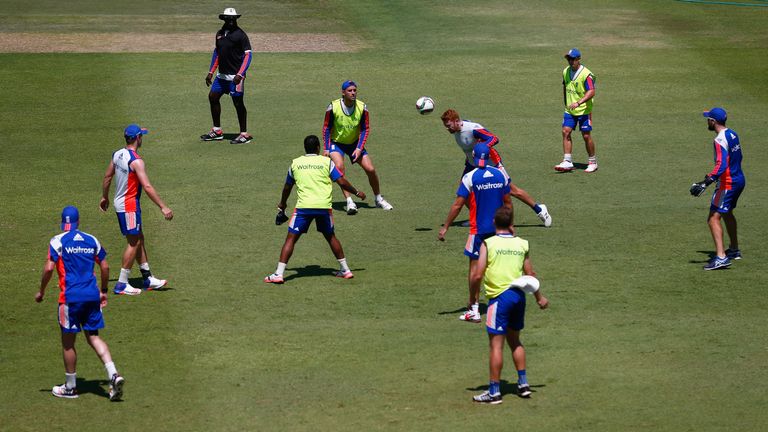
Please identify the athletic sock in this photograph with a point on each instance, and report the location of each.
(568, 157)
(377, 198)
(592, 160)
(216, 129)
(280, 268)
(521, 378)
(494, 388)
(71, 380)
(111, 369)
(476, 308)
(144, 268)
(349, 200)
(536, 208)
(124, 273)
(343, 265)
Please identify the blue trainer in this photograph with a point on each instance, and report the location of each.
(717, 263)
(733, 254)
(122, 288)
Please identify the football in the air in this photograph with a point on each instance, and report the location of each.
(425, 105)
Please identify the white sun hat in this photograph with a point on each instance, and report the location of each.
(229, 13)
(526, 283)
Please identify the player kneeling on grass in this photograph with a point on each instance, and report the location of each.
(73, 254)
(503, 261)
(313, 175)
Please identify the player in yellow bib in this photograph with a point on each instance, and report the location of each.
(504, 258)
(578, 97)
(313, 176)
(345, 131)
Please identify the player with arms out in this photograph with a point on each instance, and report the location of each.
(467, 135)
(73, 254)
(484, 190)
(345, 131)
(128, 168)
(730, 184)
(501, 264)
(313, 175)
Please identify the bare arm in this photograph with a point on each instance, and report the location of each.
(141, 174)
(104, 203)
(347, 186)
(104, 269)
(44, 279)
(284, 197)
(452, 213)
(542, 301)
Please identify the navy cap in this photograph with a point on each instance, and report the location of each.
(347, 83)
(717, 114)
(573, 53)
(70, 217)
(481, 153)
(134, 130)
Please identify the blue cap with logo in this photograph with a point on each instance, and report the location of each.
(134, 130)
(717, 114)
(70, 217)
(573, 53)
(346, 84)
(481, 153)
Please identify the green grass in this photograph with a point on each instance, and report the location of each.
(638, 336)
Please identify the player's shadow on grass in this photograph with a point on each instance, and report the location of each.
(482, 307)
(506, 387)
(340, 205)
(710, 255)
(84, 386)
(313, 270)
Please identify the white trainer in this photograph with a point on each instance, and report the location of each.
(544, 216)
(351, 208)
(564, 166)
(126, 289)
(470, 316)
(591, 168)
(153, 283)
(63, 392)
(383, 204)
(116, 387)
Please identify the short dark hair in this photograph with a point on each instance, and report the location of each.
(503, 218)
(311, 144)
(131, 140)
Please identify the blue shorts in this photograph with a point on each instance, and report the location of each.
(571, 121)
(302, 219)
(347, 149)
(130, 223)
(77, 316)
(506, 312)
(223, 86)
(724, 200)
(474, 241)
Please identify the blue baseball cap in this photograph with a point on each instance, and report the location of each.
(347, 83)
(573, 53)
(134, 130)
(717, 114)
(481, 153)
(70, 217)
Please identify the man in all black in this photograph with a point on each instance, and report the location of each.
(232, 56)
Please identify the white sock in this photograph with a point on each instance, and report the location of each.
(111, 369)
(144, 266)
(475, 308)
(280, 268)
(593, 160)
(71, 380)
(378, 197)
(349, 200)
(243, 133)
(343, 265)
(568, 157)
(124, 273)
(217, 129)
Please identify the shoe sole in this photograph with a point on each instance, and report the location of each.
(273, 281)
(128, 294)
(117, 390)
(340, 276)
(525, 394)
(590, 172)
(479, 320)
(718, 267)
(75, 396)
(563, 169)
(351, 212)
(496, 402)
(212, 139)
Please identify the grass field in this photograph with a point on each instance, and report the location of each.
(638, 337)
